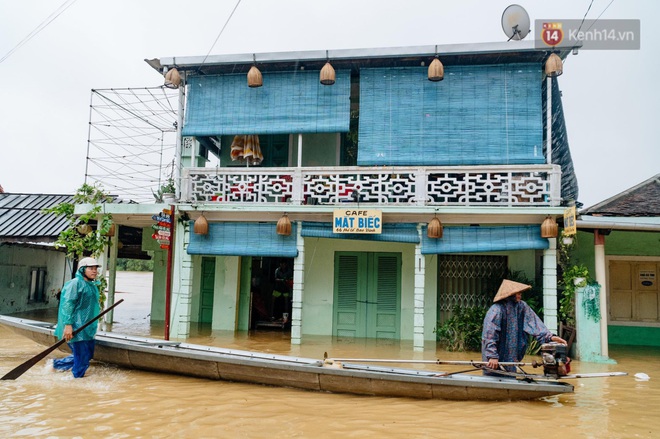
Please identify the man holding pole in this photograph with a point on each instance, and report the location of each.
(79, 302)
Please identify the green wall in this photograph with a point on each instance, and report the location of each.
(634, 335)
(617, 243)
(628, 243)
(622, 243)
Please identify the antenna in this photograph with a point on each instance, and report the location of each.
(515, 22)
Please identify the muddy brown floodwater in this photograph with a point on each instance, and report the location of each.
(119, 403)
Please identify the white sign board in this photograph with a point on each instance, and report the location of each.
(357, 221)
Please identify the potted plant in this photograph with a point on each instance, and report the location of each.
(166, 193)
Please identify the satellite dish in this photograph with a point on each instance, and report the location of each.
(515, 22)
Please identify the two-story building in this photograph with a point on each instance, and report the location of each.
(449, 157)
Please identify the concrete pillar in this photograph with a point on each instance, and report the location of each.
(298, 287)
(601, 278)
(550, 286)
(181, 304)
(589, 338)
(418, 296)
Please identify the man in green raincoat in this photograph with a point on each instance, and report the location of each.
(79, 303)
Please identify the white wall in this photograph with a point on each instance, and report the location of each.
(317, 298)
(16, 264)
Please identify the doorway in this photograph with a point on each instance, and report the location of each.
(367, 295)
(207, 290)
(271, 292)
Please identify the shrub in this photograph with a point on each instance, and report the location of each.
(462, 332)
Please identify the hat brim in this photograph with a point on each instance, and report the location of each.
(510, 288)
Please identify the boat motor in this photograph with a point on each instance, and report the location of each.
(556, 362)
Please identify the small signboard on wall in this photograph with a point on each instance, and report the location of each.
(570, 226)
(357, 221)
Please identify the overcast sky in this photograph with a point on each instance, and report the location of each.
(611, 98)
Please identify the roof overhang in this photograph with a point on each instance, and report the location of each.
(639, 224)
(458, 215)
(454, 54)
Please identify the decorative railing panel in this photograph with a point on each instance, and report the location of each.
(537, 185)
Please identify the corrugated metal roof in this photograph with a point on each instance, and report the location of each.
(21, 217)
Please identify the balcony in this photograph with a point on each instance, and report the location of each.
(512, 186)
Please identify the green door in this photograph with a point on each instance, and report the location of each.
(367, 295)
(208, 280)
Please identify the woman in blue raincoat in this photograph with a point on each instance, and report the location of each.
(79, 303)
(507, 325)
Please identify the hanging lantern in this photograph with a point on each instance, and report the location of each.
(434, 229)
(327, 74)
(201, 226)
(436, 70)
(254, 77)
(172, 78)
(284, 226)
(553, 65)
(549, 228)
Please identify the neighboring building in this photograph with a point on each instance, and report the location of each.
(471, 150)
(32, 270)
(625, 260)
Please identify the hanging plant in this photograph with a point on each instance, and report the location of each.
(80, 239)
(576, 276)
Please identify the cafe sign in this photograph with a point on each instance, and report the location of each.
(357, 221)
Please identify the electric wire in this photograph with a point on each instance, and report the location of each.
(220, 33)
(606, 7)
(39, 28)
(585, 16)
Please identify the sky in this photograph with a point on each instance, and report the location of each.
(611, 98)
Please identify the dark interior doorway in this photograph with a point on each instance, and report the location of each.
(271, 292)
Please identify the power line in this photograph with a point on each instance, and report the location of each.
(592, 24)
(585, 16)
(221, 31)
(63, 7)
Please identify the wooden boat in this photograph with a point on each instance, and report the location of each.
(287, 371)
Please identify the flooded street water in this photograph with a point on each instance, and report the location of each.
(118, 403)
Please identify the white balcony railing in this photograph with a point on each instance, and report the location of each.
(515, 185)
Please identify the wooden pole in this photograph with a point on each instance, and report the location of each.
(457, 362)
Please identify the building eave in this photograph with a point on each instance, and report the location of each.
(468, 53)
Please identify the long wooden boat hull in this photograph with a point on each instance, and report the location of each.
(287, 371)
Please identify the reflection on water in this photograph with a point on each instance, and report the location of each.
(116, 403)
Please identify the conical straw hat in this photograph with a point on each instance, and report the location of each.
(509, 288)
